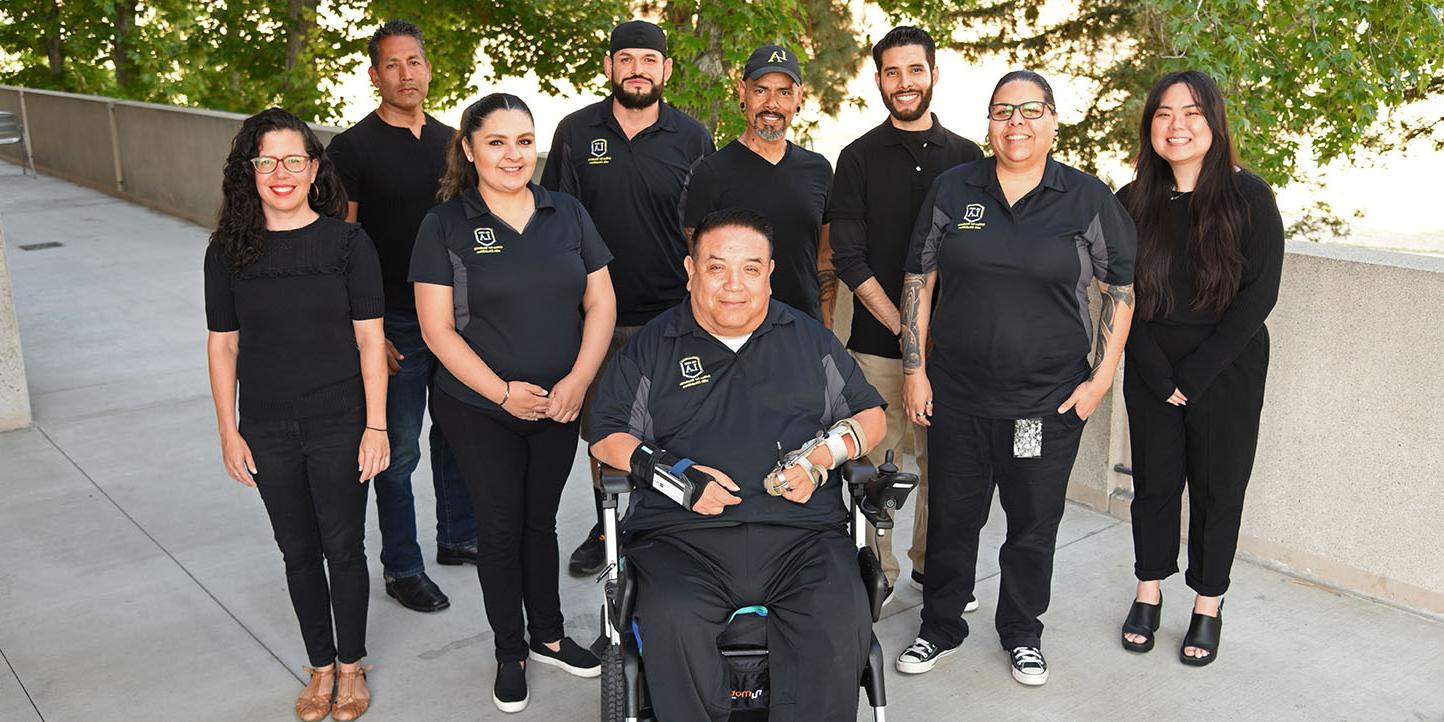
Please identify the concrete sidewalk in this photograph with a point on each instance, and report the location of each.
(137, 582)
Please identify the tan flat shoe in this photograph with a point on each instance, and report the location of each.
(352, 696)
(315, 701)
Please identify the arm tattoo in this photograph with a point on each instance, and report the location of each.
(1113, 297)
(827, 281)
(912, 295)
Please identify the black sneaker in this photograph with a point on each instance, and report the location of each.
(1029, 667)
(417, 593)
(509, 693)
(591, 556)
(921, 656)
(917, 579)
(572, 657)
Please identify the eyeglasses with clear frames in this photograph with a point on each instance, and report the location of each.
(1031, 110)
(265, 164)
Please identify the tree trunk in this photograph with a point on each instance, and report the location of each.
(125, 70)
(55, 44)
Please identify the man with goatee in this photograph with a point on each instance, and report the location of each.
(763, 172)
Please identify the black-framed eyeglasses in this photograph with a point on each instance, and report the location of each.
(1032, 110)
(265, 164)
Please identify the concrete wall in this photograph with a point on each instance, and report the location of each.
(1348, 485)
(161, 156)
(14, 393)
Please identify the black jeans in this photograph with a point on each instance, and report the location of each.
(1210, 442)
(308, 478)
(515, 471)
(818, 624)
(968, 455)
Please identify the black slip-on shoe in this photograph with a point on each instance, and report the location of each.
(571, 657)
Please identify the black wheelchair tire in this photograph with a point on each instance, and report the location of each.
(614, 688)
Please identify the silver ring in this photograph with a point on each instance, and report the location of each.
(921, 414)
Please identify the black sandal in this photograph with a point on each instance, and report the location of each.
(1203, 633)
(1143, 621)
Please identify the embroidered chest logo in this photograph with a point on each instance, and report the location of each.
(972, 217)
(599, 153)
(486, 241)
(692, 373)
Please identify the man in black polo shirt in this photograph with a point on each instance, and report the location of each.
(764, 172)
(709, 390)
(627, 158)
(390, 163)
(881, 181)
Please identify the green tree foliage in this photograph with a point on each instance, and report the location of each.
(1305, 79)
(1302, 78)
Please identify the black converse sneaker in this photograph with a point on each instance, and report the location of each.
(509, 694)
(1029, 667)
(921, 656)
(571, 657)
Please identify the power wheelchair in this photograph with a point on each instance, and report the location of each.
(875, 494)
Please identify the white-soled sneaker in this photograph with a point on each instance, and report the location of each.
(572, 658)
(1029, 667)
(921, 656)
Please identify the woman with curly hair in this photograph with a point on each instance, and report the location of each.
(294, 306)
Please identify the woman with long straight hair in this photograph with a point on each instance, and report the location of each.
(294, 306)
(1210, 253)
(514, 298)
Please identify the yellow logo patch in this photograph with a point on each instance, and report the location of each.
(692, 373)
(599, 153)
(486, 242)
(972, 217)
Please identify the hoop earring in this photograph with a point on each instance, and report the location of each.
(312, 194)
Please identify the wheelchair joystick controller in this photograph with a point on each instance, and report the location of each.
(885, 493)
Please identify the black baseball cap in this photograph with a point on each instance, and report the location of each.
(772, 59)
(639, 34)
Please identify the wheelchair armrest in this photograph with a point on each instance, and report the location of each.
(858, 471)
(615, 482)
(874, 581)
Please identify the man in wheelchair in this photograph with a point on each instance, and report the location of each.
(733, 414)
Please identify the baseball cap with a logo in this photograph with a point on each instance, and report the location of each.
(772, 59)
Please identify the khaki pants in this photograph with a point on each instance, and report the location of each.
(885, 374)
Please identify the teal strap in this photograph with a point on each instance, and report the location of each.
(757, 609)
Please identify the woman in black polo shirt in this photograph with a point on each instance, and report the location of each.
(514, 298)
(294, 306)
(1014, 241)
(1210, 253)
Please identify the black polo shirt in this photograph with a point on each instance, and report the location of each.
(517, 295)
(1011, 326)
(633, 191)
(392, 176)
(677, 386)
(882, 178)
(792, 195)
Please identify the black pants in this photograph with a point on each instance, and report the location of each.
(968, 455)
(818, 623)
(515, 471)
(1210, 442)
(309, 481)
